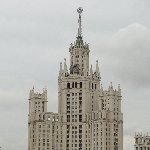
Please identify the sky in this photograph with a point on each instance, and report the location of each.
(35, 37)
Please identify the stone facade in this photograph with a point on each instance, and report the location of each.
(88, 118)
(142, 142)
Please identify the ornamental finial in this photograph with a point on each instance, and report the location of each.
(79, 10)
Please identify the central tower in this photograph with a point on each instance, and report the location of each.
(78, 89)
(77, 81)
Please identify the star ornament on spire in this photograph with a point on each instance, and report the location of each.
(79, 10)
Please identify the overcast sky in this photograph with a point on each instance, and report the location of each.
(35, 36)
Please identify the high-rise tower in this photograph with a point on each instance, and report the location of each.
(88, 118)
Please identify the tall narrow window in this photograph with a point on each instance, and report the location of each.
(80, 84)
(68, 85)
(75, 84)
(72, 84)
(43, 106)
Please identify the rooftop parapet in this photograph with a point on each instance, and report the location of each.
(111, 91)
(38, 95)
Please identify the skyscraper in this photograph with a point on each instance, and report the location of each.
(88, 118)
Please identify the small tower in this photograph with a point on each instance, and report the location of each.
(37, 105)
(142, 142)
(37, 102)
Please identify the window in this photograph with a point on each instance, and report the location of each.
(75, 84)
(68, 85)
(80, 84)
(72, 84)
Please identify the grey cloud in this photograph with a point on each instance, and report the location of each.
(128, 53)
(128, 142)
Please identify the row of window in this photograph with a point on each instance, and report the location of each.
(74, 85)
(74, 94)
(79, 85)
(142, 148)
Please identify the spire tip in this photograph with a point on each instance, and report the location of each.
(79, 10)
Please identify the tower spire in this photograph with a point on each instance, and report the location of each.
(80, 10)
